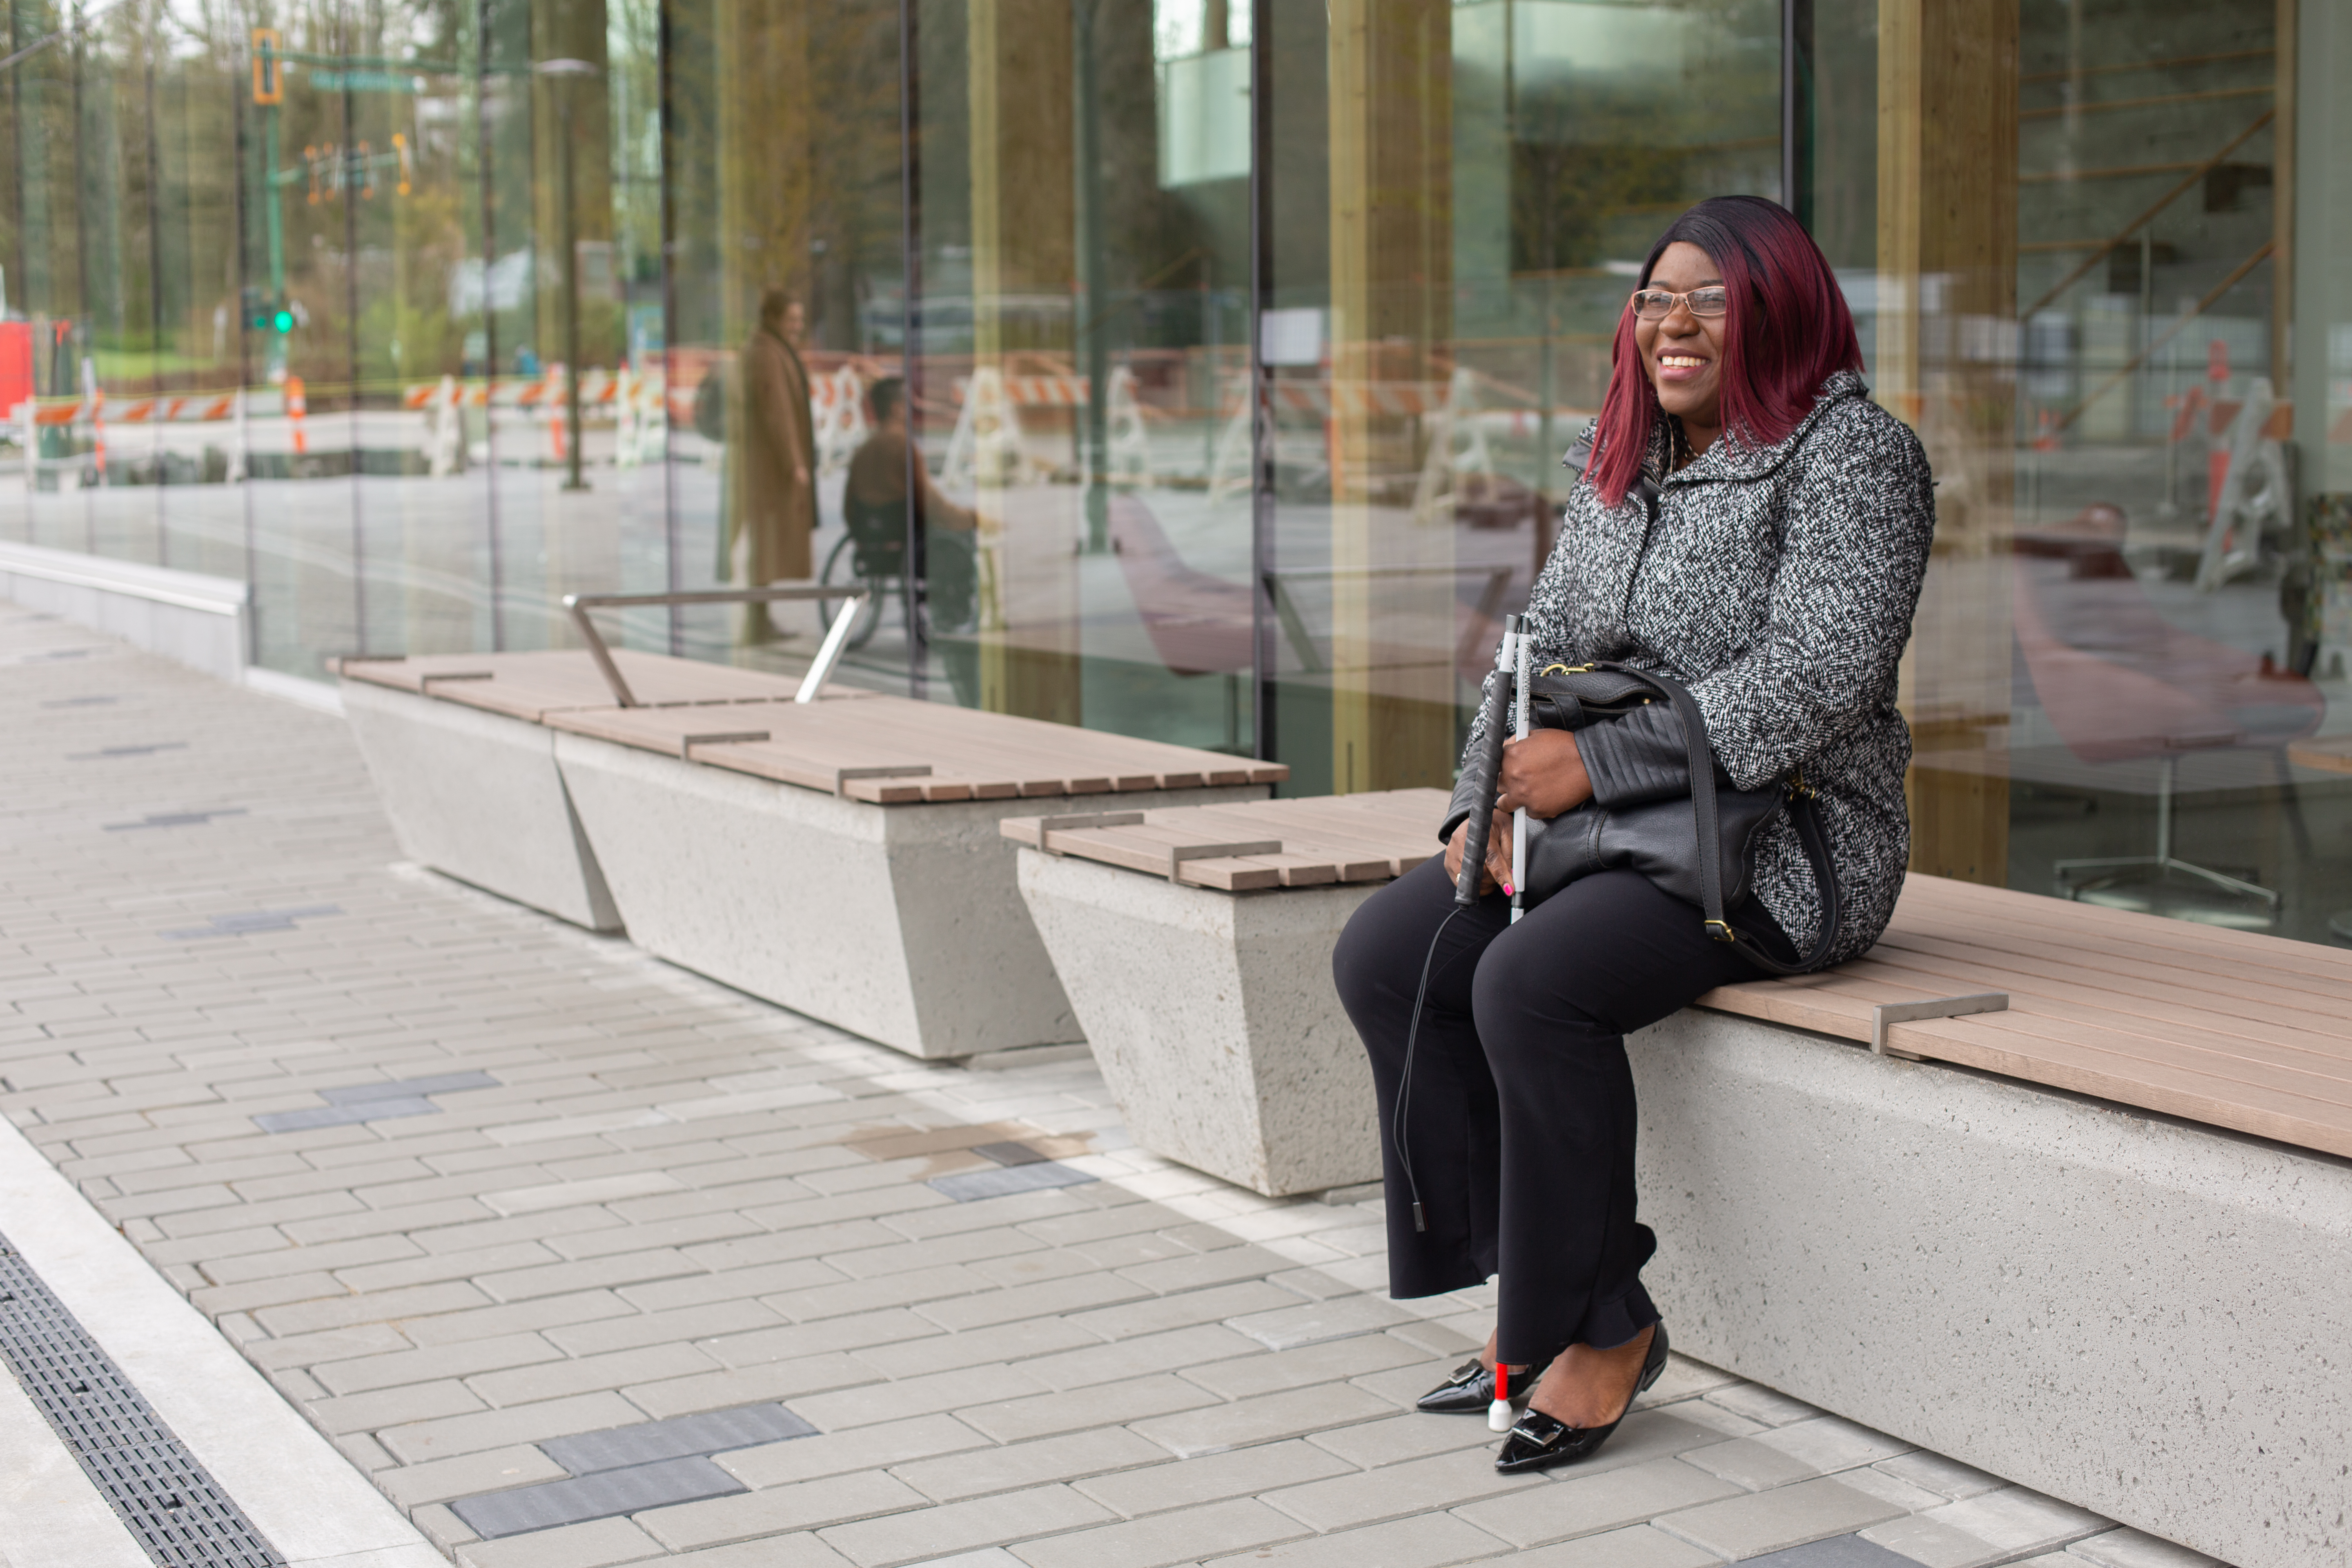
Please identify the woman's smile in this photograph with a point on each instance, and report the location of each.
(1681, 351)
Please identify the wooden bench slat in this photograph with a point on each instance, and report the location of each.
(1320, 846)
(2148, 998)
(808, 744)
(2066, 920)
(2042, 1051)
(2216, 977)
(2324, 1074)
(2233, 1029)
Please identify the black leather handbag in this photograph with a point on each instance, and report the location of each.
(1701, 850)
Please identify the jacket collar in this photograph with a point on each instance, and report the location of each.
(1735, 457)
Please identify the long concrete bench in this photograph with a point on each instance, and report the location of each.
(458, 748)
(840, 857)
(2099, 1242)
(2093, 1234)
(1195, 945)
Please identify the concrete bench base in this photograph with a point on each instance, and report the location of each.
(2145, 1318)
(478, 795)
(1215, 1021)
(899, 923)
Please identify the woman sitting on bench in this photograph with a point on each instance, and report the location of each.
(1749, 523)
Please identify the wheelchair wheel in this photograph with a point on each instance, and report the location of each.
(841, 570)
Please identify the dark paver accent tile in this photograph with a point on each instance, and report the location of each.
(1009, 1154)
(1837, 1551)
(342, 1115)
(604, 1495)
(175, 819)
(146, 750)
(971, 1187)
(373, 1101)
(407, 1088)
(245, 921)
(646, 1442)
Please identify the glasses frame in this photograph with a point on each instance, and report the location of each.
(1687, 301)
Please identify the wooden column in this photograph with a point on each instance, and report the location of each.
(1946, 364)
(1024, 254)
(1391, 138)
(571, 30)
(764, 178)
(2283, 143)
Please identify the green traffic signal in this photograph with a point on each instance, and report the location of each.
(283, 321)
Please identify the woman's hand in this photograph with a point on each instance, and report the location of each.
(1498, 872)
(1542, 775)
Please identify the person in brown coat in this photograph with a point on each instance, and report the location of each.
(772, 467)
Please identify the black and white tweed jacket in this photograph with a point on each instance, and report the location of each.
(1779, 584)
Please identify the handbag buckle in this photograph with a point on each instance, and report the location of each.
(1721, 931)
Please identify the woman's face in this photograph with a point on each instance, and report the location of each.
(1684, 353)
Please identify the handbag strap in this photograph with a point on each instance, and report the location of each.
(1710, 841)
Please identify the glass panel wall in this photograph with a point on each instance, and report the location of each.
(1082, 244)
(1459, 197)
(418, 315)
(2092, 262)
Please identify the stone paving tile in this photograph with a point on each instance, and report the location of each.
(806, 1505)
(1171, 1352)
(1290, 1413)
(962, 1526)
(2131, 1549)
(679, 1199)
(491, 1469)
(1431, 1540)
(1933, 1472)
(1780, 1455)
(495, 1428)
(1578, 1504)
(1163, 1484)
(1094, 1404)
(1211, 1529)
(1418, 1486)
(1245, 1376)
(1785, 1516)
(895, 1445)
(598, 1544)
(1637, 1546)
(1007, 1467)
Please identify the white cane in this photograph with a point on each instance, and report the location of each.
(1520, 817)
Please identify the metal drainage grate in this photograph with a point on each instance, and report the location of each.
(165, 1498)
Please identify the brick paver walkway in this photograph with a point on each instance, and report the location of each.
(661, 1198)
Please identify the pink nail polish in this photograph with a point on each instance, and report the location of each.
(1509, 891)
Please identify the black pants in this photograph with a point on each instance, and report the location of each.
(1521, 1120)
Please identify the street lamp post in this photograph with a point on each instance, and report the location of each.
(562, 70)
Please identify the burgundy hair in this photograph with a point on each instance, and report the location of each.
(1788, 331)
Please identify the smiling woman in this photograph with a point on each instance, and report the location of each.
(1771, 562)
(1771, 327)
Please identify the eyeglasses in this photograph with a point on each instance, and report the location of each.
(1657, 304)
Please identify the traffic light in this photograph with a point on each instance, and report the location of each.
(268, 72)
(283, 321)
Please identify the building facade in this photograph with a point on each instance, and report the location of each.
(1240, 339)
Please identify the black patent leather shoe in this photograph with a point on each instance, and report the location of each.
(1470, 1390)
(1539, 1441)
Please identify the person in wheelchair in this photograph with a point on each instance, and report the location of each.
(874, 506)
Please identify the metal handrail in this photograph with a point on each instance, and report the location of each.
(828, 654)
